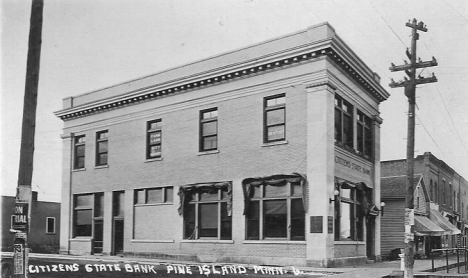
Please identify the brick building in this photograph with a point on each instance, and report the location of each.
(44, 235)
(440, 195)
(231, 159)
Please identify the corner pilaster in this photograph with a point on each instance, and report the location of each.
(320, 173)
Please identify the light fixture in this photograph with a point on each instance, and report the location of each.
(335, 193)
(382, 206)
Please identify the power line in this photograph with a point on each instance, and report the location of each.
(387, 23)
(463, 16)
(422, 124)
(451, 120)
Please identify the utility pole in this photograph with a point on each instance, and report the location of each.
(22, 217)
(410, 92)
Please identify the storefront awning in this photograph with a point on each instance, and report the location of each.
(423, 226)
(442, 222)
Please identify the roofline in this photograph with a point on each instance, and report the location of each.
(328, 45)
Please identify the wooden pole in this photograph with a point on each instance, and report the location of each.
(23, 193)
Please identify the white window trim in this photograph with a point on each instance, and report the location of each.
(47, 225)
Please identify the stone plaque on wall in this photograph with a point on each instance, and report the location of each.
(316, 224)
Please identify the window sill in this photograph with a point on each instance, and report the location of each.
(274, 242)
(153, 159)
(349, 242)
(208, 152)
(79, 170)
(101, 167)
(155, 204)
(51, 234)
(277, 143)
(84, 239)
(220, 241)
(152, 240)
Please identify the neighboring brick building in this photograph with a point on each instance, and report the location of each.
(44, 235)
(444, 199)
(231, 159)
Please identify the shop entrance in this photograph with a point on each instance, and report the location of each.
(118, 237)
(118, 222)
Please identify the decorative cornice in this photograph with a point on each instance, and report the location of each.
(322, 83)
(149, 95)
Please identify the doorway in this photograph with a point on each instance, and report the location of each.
(370, 238)
(118, 237)
(118, 211)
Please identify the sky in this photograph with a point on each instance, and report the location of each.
(91, 44)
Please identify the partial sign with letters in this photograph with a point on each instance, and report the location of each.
(20, 218)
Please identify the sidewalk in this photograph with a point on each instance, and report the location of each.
(422, 267)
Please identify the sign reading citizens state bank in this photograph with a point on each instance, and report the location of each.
(353, 166)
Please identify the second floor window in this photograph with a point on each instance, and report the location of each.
(101, 148)
(343, 122)
(153, 145)
(209, 130)
(364, 134)
(79, 161)
(274, 118)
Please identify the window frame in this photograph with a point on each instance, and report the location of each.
(365, 145)
(268, 108)
(260, 199)
(77, 144)
(221, 203)
(340, 135)
(202, 122)
(357, 218)
(164, 196)
(100, 141)
(47, 225)
(149, 132)
(90, 207)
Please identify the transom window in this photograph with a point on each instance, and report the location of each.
(364, 134)
(343, 122)
(159, 195)
(79, 161)
(209, 129)
(276, 212)
(207, 216)
(153, 145)
(274, 118)
(101, 148)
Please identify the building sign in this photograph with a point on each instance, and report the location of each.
(20, 218)
(353, 166)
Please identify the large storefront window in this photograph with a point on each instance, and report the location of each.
(206, 209)
(350, 207)
(274, 207)
(88, 211)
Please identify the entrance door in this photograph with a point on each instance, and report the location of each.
(118, 225)
(118, 240)
(370, 238)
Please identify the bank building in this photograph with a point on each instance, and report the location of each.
(268, 154)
